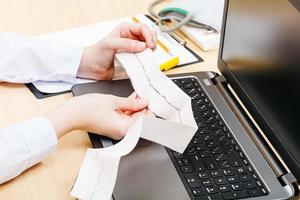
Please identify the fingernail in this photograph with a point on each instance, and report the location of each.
(141, 45)
(143, 102)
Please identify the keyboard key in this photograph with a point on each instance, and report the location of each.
(207, 137)
(185, 80)
(221, 123)
(198, 102)
(177, 155)
(254, 192)
(218, 132)
(200, 147)
(197, 163)
(195, 96)
(228, 172)
(197, 85)
(204, 153)
(235, 195)
(189, 85)
(258, 183)
(203, 107)
(249, 185)
(224, 164)
(245, 162)
(220, 181)
(203, 131)
(210, 163)
(205, 113)
(191, 91)
(232, 142)
(227, 149)
(207, 183)
(235, 162)
(220, 157)
(244, 178)
(209, 119)
(197, 140)
(237, 186)
(211, 144)
(179, 162)
(221, 139)
(201, 124)
(232, 179)
(224, 188)
(211, 190)
(190, 151)
(263, 191)
(193, 180)
(237, 148)
(210, 197)
(185, 161)
(203, 175)
(198, 191)
(216, 174)
(187, 169)
(225, 129)
(254, 176)
(213, 126)
(240, 170)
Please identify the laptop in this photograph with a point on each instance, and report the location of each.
(247, 145)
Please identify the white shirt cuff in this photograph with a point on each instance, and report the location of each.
(40, 136)
(72, 62)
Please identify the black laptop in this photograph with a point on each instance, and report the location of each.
(255, 101)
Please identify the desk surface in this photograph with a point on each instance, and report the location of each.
(53, 178)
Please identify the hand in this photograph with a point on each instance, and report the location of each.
(145, 111)
(97, 60)
(97, 113)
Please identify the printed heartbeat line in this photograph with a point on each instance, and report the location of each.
(156, 90)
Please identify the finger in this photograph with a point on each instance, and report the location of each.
(150, 113)
(138, 114)
(125, 45)
(127, 104)
(154, 39)
(133, 95)
(138, 30)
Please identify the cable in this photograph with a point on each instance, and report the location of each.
(185, 21)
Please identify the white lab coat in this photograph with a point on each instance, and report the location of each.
(26, 60)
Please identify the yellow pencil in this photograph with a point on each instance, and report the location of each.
(168, 64)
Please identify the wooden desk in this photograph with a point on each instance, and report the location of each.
(53, 178)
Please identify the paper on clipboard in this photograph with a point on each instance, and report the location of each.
(88, 35)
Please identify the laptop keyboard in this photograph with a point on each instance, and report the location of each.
(213, 166)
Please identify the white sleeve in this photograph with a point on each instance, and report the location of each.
(24, 145)
(25, 60)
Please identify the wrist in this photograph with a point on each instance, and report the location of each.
(64, 119)
(92, 65)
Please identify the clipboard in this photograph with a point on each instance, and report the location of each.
(40, 95)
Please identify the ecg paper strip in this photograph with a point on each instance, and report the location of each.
(98, 172)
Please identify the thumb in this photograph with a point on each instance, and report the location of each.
(126, 45)
(127, 104)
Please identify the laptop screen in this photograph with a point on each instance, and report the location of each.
(260, 58)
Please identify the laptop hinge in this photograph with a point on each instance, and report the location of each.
(284, 176)
(219, 79)
(287, 179)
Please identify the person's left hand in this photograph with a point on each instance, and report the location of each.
(97, 60)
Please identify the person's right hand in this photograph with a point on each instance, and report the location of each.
(107, 115)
